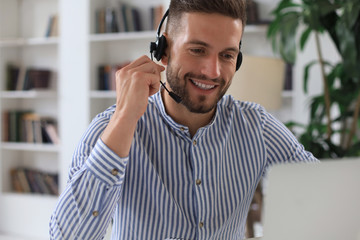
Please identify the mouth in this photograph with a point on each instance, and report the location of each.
(203, 86)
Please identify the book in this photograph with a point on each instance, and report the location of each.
(5, 126)
(111, 24)
(24, 183)
(15, 181)
(131, 17)
(156, 14)
(252, 12)
(52, 26)
(136, 19)
(49, 130)
(100, 21)
(14, 125)
(55, 26)
(31, 178)
(37, 79)
(12, 74)
(107, 20)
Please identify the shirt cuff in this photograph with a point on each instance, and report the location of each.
(106, 165)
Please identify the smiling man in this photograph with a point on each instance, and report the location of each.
(167, 170)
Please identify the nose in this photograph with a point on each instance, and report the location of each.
(211, 67)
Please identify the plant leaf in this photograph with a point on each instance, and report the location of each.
(306, 74)
(304, 37)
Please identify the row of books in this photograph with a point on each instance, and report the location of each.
(25, 180)
(106, 76)
(29, 127)
(126, 18)
(22, 79)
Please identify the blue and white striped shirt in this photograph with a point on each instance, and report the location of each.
(172, 185)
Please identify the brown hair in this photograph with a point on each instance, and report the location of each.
(231, 8)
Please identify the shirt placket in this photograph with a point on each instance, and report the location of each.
(198, 185)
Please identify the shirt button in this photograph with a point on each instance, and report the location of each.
(194, 142)
(95, 213)
(198, 182)
(182, 129)
(201, 225)
(114, 172)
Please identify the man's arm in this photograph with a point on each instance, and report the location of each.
(85, 208)
(139, 80)
(282, 146)
(95, 182)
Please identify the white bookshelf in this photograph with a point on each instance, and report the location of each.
(23, 42)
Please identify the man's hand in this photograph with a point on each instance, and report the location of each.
(134, 84)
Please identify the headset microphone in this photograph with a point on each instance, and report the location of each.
(157, 50)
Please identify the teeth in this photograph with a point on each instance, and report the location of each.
(203, 86)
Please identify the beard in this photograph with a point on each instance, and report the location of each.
(178, 86)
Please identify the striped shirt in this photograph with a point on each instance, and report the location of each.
(172, 185)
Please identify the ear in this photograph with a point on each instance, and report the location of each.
(165, 58)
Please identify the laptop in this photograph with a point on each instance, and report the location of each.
(313, 201)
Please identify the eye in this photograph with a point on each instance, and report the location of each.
(197, 51)
(228, 56)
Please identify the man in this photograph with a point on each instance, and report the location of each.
(167, 170)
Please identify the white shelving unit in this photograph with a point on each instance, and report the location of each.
(73, 98)
(23, 42)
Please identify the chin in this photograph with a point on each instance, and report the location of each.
(201, 107)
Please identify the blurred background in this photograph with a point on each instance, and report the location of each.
(57, 64)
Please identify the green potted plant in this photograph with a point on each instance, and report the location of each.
(329, 133)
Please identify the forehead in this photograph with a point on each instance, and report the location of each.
(212, 28)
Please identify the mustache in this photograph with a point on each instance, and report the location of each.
(202, 77)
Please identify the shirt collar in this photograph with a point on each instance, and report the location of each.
(159, 104)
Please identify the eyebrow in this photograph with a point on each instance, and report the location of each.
(201, 43)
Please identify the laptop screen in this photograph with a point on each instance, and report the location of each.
(313, 201)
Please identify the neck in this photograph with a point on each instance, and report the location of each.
(180, 114)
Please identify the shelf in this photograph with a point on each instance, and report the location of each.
(31, 94)
(107, 37)
(145, 35)
(29, 196)
(103, 94)
(32, 147)
(256, 28)
(19, 42)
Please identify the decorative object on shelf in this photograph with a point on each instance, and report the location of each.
(263, 87)
(288, 84)
(25, 180)
(329, 133)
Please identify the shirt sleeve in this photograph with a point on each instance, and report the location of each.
(96, 175)
(281, 145)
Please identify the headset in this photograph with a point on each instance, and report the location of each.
(158, 47)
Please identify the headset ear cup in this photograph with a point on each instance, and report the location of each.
(239, 60)
(160, 49)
